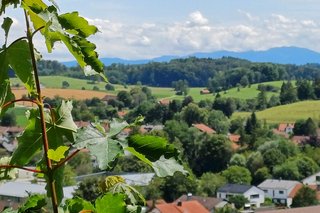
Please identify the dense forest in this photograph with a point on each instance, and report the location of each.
(216, 74)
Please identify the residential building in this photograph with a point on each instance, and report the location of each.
(280, 191)
(204, 128)
(191, 206)
(286, 128)
(252, 193)
(210, 203)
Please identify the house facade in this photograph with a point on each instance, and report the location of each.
(280, 191)
(252, 193)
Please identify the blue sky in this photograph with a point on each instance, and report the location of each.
(136, 29)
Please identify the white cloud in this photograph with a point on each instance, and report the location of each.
(195, 34)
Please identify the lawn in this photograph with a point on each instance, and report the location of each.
(287, 113)
(159, 92)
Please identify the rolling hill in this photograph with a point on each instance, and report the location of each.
(279, 55)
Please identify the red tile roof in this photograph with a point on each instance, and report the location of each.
(298, 139)
(208, 202)
(204, 128)
(164, 101)
(282, 126)
(295, 190)
(205, 91)
(191, 206)
(234, 138)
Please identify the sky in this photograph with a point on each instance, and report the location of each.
(142, 29)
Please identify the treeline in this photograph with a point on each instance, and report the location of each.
(216, 74)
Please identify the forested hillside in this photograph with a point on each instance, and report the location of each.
(216, 74)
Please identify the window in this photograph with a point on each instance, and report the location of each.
(317, 178)
(281, 192)
(265, 191)
(254, 196)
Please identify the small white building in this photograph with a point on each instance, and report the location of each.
(280, 191)
(252, 193)
(312, 180)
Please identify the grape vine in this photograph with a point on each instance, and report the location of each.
(52, 131)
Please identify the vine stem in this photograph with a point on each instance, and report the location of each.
(61, 163)
(18, 100)
(49, 173)
(20, 167)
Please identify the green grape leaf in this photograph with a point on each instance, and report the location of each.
(134, 196)
(167, 167)
(58, 180)
(34, 203)
(111, 203)
(6, 94)
(30, 141)
(58, 28)
(9, 210)
(106, 152)
(72, 21)
(64, 118)
(102, 147)
(162, 167)
(6, 3)
(18, 56)
(90, 57)
(153, 147)
(139, 155)
(77, 204)
(6, 24)
(116, 127)
(58, 154)
(88, 136)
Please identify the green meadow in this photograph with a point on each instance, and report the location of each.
(287, 113)
(159, 92)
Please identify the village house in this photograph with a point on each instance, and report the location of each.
(280, 191)
(252, 193)
(204, 92)
(191, 206)
(210, 203)
(204, 128)
(286, 128)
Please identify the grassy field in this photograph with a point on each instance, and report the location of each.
(287, 113)
(21, 118)
(159, 92)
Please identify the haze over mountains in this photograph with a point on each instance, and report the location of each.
(279, 55)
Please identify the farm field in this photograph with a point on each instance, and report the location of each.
(287, 113)
(65, 93)
(159, 92)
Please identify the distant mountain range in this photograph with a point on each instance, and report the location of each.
(279, 55)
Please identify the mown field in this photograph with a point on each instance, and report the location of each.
(79, 84)
(287, 113)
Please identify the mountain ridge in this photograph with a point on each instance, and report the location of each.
(278, 55)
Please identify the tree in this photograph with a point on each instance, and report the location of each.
(213, 154)
(218, 121)
(305, 197)
(125, 97)
(8, 119)
(193, 114)
(305, 90)
(288, 93)
(89, 189)
(109, 87)
(262, 100)
(238, 175)
(238, 201)
(181, 87)
(273, 157)
(65, 84)
(238, 160)
(305, 127)
(209, 183)
(260, 175)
